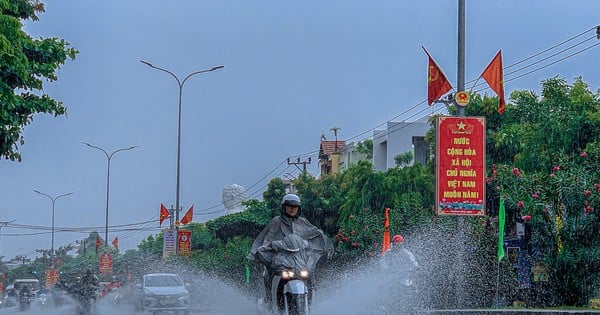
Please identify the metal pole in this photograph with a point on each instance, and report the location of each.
(460, 111)
(53, 199)
(108, 158)
(180, 83)
(460, 80)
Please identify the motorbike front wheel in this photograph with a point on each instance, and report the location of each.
(296, 304)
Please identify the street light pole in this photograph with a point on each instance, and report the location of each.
(53, 199)
(108, 158)
(180, 83)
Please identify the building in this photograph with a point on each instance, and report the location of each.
(398, 138)
(329, 156)
(350, 156)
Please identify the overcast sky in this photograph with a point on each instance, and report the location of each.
(293, 70)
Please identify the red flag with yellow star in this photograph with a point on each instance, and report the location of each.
(164, 214)
(437, 84)
(115, 243)
(187, 218)
(494, 78)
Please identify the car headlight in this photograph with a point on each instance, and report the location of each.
(185, 299)
(304, 273)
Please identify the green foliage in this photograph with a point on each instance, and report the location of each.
(243, 223)
(273, 195)
(550, 178)
(227, 261)
(366, 147)
(24, 64)
(403, 159)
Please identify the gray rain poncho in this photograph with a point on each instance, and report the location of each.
(268, 246)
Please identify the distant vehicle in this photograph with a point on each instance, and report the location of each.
(159, 292)
(33, 284)
(10, 297)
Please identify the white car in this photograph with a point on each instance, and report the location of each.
(159, 292)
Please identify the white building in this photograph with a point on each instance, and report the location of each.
(399, 138)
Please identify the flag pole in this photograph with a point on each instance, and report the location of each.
(498, 287)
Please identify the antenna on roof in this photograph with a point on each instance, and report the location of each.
(335, 130)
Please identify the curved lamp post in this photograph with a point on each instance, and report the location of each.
(108, 158)
(180, 83)
(53, 199)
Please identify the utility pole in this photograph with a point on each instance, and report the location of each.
(460, 111)
(298, 162)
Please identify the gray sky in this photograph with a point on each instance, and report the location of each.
(293, 70)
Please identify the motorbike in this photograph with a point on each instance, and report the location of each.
(291, 285)
(43, 300)
(85, 296)
(25, 299)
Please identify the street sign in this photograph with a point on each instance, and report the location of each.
(105, 263)
(460, 171)
(169, 242)
(51, 277)
(184, 242)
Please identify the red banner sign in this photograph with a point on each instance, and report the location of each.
(460, 171)
(105, 265)
(184, 242)
(51, 277)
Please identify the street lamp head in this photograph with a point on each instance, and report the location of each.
(146, 63)
(216, 68)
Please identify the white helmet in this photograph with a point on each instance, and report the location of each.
(290, 200)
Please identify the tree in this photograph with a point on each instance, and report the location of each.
(366, 147)
(403, 159)
(24, 65)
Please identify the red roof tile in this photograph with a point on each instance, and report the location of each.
(329, 146)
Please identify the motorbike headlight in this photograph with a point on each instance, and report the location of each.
(304, 273)
(287, 274)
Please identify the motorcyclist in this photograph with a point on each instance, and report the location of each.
(24, 295)
(399, 255)
(270, 239)
(58, 292)
(90, 284)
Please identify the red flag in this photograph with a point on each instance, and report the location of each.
(187, 218)
(98, 243)
(115, 243)
(385, 244)
(164, 214)
(437, 84)
(495, 79)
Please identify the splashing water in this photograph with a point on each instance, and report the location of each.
(367, 287)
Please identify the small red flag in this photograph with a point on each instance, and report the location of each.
(437, 84)
(495, 79)
(115, 243)
(187, 218)
(164, 214)
(385, 244)
(98, 243)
